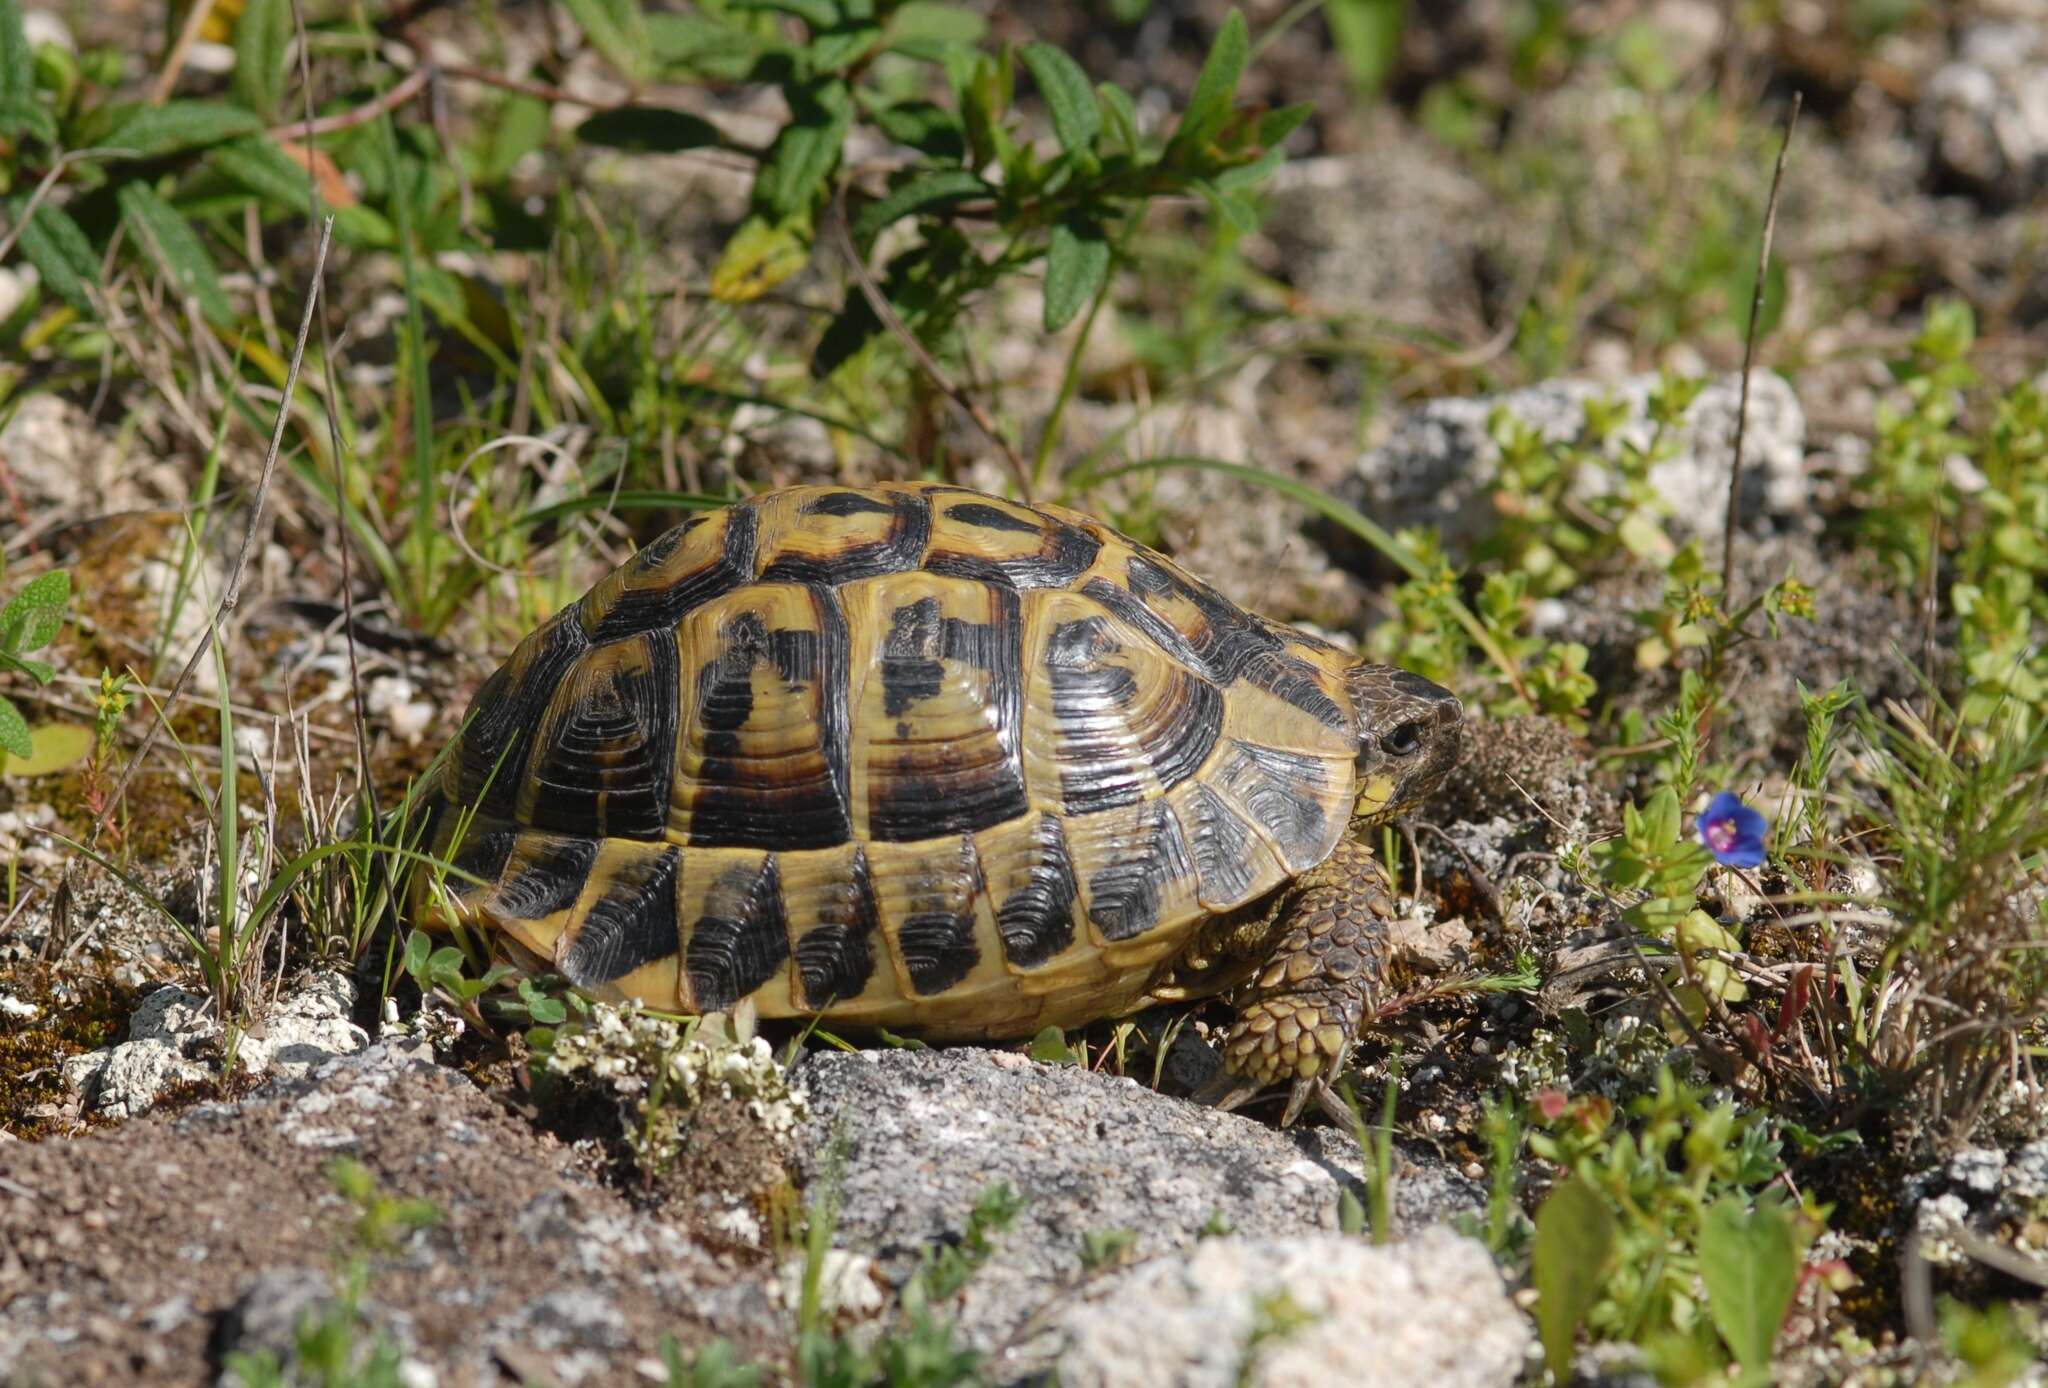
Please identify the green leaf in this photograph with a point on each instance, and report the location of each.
(805, 152)
(1574, 1240)
(1209, 106)
(1749, 1261)
(819, 14)
(925, 126)
(17, 59)
(178, 125)
(923, 25)
(1368, 38)
(1076, 119)
(170, 240)
(258, 165)
(1247, 176)
(547, 1012)
(617, 29)
(1350, 1212)
(263, 38)
(704, 47)
(414, 959)
(1076, 265)
(939, 188)
(835, 52)
(1050, 1047)
(41, 671)
(1276, 126)
(760, 256)
(55, 245)
(57, 747)
(1123, 115)
(18, 116)
(32, 617)
(14, 730)
(444, 966)
(649, 130)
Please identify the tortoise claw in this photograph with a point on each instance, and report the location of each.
(1227, 1092)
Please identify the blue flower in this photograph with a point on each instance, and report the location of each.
(1732, 831)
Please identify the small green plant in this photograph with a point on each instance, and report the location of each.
(1106, 1248)
(334, 1348)
(1992, 1344)
(1964, 828)
(1275, 1316)
(920, 1348)
(30, 621)
(1647, 1214)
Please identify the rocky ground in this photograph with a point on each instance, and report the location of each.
(159, 1225)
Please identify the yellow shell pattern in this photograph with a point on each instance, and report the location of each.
(907, 756)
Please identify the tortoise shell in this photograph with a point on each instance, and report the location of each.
(906, 755)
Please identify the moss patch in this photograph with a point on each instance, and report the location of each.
(73, 1015)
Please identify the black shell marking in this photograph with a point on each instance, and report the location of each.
(1036, 921)
(740, 940)
(632, 924)
(656, 609)
(498, 735)
(900, 550)
(1090, 698)
(1125, 894)
(1220, 843)
(836, 958)
(606, 763)
(734, 806)
(548, 877)
(925, 790)
(1277, 789)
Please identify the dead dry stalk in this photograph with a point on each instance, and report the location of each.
(1756, 313)
(231, 596)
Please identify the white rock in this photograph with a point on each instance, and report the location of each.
(16, 284)
(123, 1081)
(40, 27)
(394, 699)
(1439, 462)
(1325, 1309)
(309, 1027)
(1984, 115)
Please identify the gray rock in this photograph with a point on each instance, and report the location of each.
(310, 1026)
(173, 1038)
(1975, 1199)
(1295, 1312)
(925, 1132)
(267, 1317)
(1984, 115)
(124, 1080)
(1395, 234)
(1439, 461)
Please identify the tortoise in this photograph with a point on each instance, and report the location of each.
(914, 756)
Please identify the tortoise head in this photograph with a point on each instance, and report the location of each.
(1410, 732)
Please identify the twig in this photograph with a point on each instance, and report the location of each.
(174, 63)
(365, 785)
(49, 181)
(232, 595)
(1756, 313)
(873, 294)
(370, 110)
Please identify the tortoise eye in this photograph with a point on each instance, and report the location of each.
(1403, 741)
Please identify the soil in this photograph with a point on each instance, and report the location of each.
(123, 1252)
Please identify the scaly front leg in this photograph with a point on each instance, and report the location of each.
(1325, 977)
